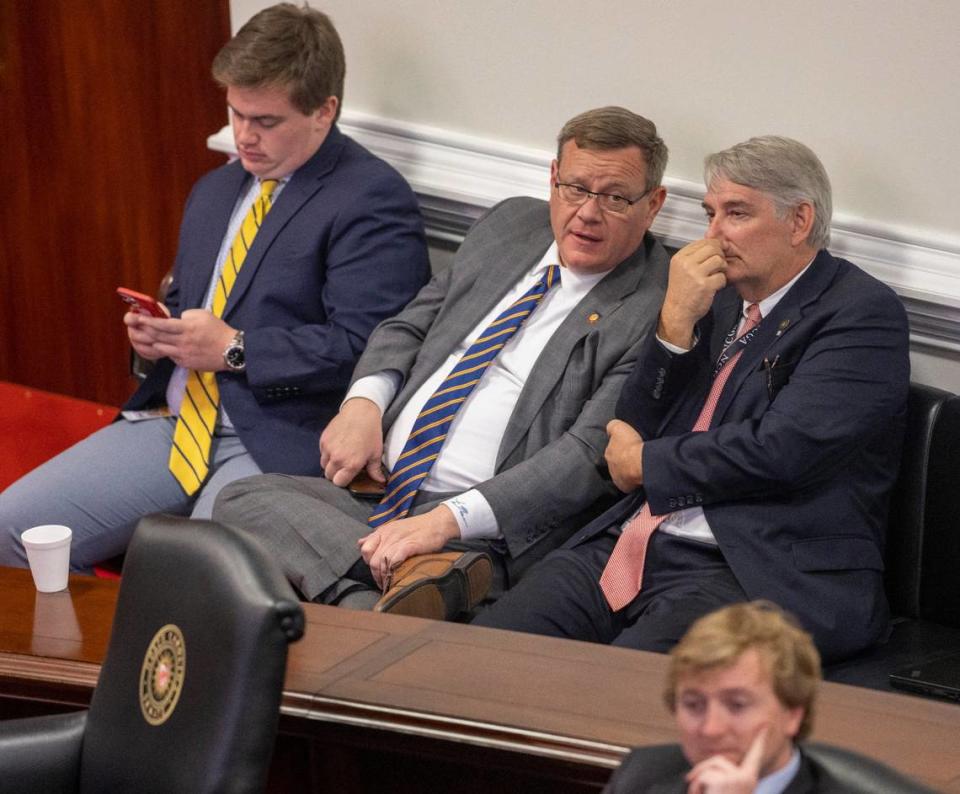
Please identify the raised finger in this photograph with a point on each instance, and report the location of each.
(693, 247)
(754, 757)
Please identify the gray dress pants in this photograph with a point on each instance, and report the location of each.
(312, 527)
(102, 486)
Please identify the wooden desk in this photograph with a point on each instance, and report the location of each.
(375, 700)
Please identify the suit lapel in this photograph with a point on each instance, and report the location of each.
(603, 300)
(195, 280)
(774, 331)
(496, 279)
(473, 300)
(303, 185)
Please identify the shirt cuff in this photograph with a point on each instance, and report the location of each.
(380, 388)
(676, 349)
(474, 516)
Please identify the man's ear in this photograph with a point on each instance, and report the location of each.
(802, 220)
(794, 720)
(554, 171)
(327, 112)
(655, 203)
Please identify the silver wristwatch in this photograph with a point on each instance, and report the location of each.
(234, 356)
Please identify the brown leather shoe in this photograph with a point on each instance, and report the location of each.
(438, 586)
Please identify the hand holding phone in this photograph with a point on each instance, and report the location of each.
(363, 486)
(141, 303)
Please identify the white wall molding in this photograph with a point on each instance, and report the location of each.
(458, 176)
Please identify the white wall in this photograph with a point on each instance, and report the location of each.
(871, 86)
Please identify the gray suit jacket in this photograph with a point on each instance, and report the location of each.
(548, 474)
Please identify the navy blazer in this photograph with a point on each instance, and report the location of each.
(341, 249)
(795, 472)
(661, 769)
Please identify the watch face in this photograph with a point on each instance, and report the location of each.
(234, 357)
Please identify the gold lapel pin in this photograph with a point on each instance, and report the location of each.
(592, 319)
(784, 325)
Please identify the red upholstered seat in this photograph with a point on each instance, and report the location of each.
(35, 425)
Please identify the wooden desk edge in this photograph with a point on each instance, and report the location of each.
(453, 729)
(72, 683)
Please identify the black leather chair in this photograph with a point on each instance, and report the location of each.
(189, 694)
(858, 774)
(653, 768)
(922, 554)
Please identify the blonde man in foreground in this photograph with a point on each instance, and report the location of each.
(742, 684)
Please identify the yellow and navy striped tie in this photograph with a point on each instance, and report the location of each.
(190, 454)
(430, 428)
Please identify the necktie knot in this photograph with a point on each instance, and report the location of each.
(753, 318)
(551, 275)
(267, 186)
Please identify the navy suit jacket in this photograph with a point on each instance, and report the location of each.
(341, 249)
(661, 769)
(795, 472)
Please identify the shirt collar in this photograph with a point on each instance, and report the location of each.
(768, 304)
(776, 782)
(570, 281)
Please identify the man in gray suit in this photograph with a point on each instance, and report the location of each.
(515, 464)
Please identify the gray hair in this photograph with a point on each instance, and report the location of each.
(789, 172)
(614, 127)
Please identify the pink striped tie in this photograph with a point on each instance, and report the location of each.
(623, 575)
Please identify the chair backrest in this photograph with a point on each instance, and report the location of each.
(939, 594)
(857, 774)
(905, 529)
(189, 694)
(923, 536)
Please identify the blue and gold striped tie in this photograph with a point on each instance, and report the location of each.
(193, 435)
(430, 428)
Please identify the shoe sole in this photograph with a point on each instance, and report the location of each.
(439, 597)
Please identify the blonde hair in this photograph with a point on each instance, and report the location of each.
(719, 639)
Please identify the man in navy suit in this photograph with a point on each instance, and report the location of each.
(757, 438)
(287, 259)
(742, 685)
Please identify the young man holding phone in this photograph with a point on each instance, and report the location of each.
(287, 259)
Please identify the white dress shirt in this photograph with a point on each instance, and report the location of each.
(469, 455)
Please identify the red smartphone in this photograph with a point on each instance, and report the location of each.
(144, 304)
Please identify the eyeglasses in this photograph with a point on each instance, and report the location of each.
(608, 202)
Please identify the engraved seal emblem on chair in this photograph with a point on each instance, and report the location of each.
(162, 673)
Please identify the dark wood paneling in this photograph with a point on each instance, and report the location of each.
(105, 106)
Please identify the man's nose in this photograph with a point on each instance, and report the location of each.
(590, 211)
(714, 721)
(713, 229)
(245, 132)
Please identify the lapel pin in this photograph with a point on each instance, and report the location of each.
(784, 324)
(592, 319)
